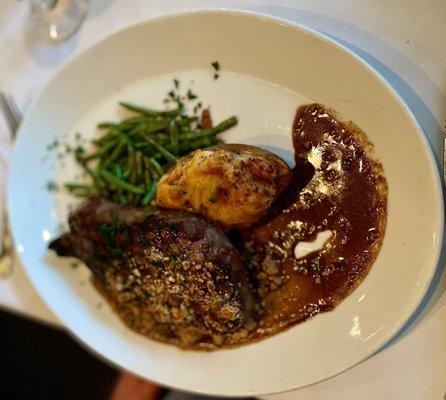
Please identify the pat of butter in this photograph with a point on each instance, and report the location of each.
(302, 249)
(315, 157)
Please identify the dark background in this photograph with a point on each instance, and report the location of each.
(39, 362)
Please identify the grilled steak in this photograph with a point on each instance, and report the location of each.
(170, 275)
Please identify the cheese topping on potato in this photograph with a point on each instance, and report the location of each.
(232, 184)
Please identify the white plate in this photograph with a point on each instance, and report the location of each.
(269, 67)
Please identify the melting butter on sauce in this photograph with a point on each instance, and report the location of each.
(337, 186)
(302, 249)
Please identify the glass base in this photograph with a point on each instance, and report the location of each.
(57, 20)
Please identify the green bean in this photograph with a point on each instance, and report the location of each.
(123, 136)
(104, 150)
(141, 145)
(156, 166)
(162, 138)
(107, 125)
(122, 199)
(138, 163)
(84, 194)
(134, 122)
(149, 166)
(115, 153)
(134, 153)
(222, 126)
(96, 178)
(186, 120)
(148, 197)
(106, 138)
(148, 111)
(130, 161)
(118, 171)
(119, 174)
(197, 144)
(149, 128)
(147, 177)
(226, 124)
(125, 124)
(173, 130)
(89, 171)
(166, 154)
(188, 136)
(74, 186)
(133, 172)
(121, 184)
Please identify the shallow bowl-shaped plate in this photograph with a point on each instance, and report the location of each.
(268, 68)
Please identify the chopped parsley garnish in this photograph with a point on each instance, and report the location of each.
(212, 199)
(191, 95)
(52, 186)
(108, 233)
(216, 66)
(53, 145)
(197, 107)
(79, 150)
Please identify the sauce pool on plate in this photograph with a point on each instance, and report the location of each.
(325, 232)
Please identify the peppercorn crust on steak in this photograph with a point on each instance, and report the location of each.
(232, 184)
(170, 275)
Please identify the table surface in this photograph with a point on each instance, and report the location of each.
(403, 39)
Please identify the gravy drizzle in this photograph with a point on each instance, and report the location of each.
(337, 190)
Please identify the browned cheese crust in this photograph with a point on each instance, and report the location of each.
(231, 184)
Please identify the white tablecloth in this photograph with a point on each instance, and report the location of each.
(405, 40)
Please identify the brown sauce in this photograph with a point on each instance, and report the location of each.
(337, 187)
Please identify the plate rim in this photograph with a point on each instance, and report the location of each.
(289, 24)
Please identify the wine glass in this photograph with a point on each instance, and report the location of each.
(57, 20)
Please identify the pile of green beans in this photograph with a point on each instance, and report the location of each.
(132, 155)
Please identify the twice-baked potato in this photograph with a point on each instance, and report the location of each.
(233, 184)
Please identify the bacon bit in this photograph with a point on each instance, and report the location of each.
(206, 119)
